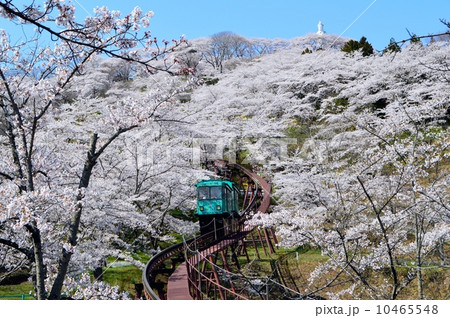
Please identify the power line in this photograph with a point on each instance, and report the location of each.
(81, 6)
(353, 22)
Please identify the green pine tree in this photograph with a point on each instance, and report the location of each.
(354, 46)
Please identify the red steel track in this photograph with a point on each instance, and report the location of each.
(197, 277)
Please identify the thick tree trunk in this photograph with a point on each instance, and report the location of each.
(38, 260)
(75, 222)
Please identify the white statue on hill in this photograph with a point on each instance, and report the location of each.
(320, 30)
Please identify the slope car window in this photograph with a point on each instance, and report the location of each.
(216, 193)
(203, 193)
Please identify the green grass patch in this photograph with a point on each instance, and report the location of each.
(301, 132)
(24, 288)
(141, 256)
(125, 277)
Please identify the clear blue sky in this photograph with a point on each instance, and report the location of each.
(285, 18)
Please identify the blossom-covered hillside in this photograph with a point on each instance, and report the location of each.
(295, 95)
(357, 149)
(99, 157)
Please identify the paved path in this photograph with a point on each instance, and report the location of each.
(177, 286)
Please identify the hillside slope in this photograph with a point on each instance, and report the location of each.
(357, 149)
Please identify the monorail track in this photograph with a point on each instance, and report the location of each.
(197, 277)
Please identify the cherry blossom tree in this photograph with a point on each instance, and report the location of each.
(47, 183)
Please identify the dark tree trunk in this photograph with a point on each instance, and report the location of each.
(38, 261)
(76, 218)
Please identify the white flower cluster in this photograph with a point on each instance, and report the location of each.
(83, 288)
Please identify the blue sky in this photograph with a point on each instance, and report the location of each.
(289, 18)
(285, 18)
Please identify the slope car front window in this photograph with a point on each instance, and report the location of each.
(216, 193)
(203, 193)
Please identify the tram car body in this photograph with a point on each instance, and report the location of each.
(217, 206)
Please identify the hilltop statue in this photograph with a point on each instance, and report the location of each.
(320, 30)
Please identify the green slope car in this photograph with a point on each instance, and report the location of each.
(217, 204)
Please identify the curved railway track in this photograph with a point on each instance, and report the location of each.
(197, 276)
